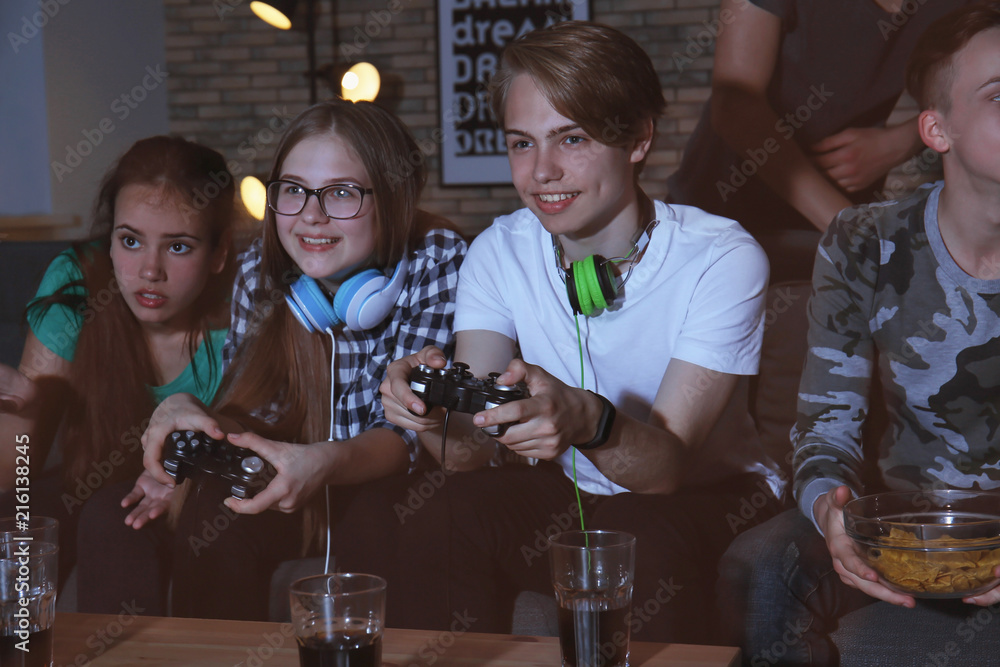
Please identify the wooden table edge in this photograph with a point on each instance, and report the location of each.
(114, 639)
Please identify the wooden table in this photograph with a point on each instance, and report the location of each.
(127, 640)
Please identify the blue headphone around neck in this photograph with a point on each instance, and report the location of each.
(361, 302)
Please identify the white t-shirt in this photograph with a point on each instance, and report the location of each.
(696, 295)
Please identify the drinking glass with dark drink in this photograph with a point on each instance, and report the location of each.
(338, 619)
(28, 578)
(592, 572)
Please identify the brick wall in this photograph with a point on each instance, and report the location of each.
(234, 80)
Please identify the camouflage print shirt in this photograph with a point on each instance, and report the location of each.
(887, 294)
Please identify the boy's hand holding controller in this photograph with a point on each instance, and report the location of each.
(551, 420)
(403, 407)
(543, 426)
(458, 390)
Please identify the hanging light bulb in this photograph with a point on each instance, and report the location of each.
(254, 196)
(360, 82)
(277, 13)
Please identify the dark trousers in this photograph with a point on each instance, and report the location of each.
(118, 567)
(781, 596)
(467, 543)
(223, 561)
(220, 563)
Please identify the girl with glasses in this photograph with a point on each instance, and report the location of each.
(301, 389)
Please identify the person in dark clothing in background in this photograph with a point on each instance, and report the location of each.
(795, 129)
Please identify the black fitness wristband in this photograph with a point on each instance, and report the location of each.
(604, 426)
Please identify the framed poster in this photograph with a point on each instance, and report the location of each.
(471, 34)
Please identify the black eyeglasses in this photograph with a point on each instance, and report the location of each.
(340, 201)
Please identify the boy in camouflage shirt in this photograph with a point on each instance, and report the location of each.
(909, 290)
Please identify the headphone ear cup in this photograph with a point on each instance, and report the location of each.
(606, 279)
(366, 299)
(590, 284)
(361, 302)
(352, 294)
(574, 300)
(311, 306)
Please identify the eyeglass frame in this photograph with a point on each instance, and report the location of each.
(317, 192)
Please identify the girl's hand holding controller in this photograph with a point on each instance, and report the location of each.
(550, 421)
(178, 412)
(298, 473)
(402, 406)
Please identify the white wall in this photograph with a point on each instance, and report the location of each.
(24, 147)
(104, 86)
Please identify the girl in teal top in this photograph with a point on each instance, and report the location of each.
(121, 321)
(58, 329)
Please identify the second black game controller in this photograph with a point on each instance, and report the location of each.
(186, 452)
(458, 389)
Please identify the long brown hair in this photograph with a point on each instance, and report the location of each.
(280, 361)
(113, 367)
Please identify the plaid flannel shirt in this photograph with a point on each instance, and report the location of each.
(424, 315)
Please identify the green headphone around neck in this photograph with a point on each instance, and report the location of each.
(591, 283)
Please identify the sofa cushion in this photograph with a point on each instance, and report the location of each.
(773, 402)
(280, 610)
(22, 264)
(535, 615)
(936, 632)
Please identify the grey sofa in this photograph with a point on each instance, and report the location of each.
(22, 264)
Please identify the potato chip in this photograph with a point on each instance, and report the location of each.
(935, 572)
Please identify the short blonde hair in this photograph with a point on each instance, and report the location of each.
(593, 74)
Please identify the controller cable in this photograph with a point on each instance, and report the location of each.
(444, 471)
(444, 437)
(326, 487)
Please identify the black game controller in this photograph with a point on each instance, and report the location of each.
(458, 389)
(187, 451)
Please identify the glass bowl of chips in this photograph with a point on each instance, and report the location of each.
(929, 544)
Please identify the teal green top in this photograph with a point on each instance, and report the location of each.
(208, 361)
(58, 329)
(58, 326)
